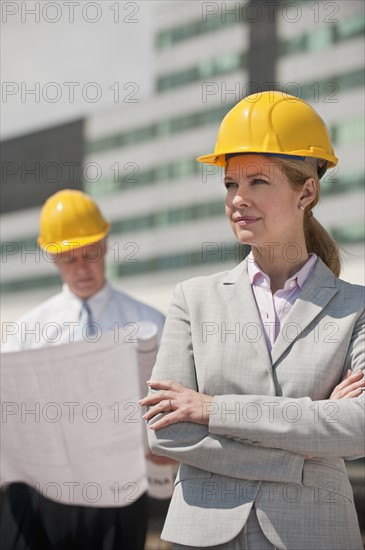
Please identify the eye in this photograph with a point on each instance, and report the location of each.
(230, 185)
(258, 181)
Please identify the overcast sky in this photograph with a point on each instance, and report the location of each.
(102, 61)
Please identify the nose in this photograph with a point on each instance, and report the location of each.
(82, 265)
(241, 198)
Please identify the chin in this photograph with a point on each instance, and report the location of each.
(245, 237)
(84, 293)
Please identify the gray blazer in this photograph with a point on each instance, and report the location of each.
(269, 410)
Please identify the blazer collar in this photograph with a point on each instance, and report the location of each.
(238, 293)
(318, 290)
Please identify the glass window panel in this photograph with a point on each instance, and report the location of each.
(212, 67)
(117, 141)
(163, 83)
(182, 168)
(211, 115)
(294, 45)
(164, 39)
(351, 131)
(197, 167)
(211, 23)
(351, 80)
(185, 123)
(171, 36)
(144, 177)
(161, 173)
(349, 234)
(160, 218)
(319, 39)
(229, 62)
(351, 27)
(163, 128)
(206, 69)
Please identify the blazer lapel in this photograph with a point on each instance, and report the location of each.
(315, 295)
(236, 290)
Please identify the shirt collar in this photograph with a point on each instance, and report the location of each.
(97, 302)
(259, 278)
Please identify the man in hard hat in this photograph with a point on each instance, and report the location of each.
(74, 232)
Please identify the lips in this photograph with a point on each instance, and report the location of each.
(245, 220)
(84, 281)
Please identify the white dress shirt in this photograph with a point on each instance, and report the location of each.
(59, 319)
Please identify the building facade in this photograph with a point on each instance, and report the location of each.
(167, 210)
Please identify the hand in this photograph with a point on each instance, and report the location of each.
(179, 404)
(352, 385)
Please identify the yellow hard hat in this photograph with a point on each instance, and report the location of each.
(276, 123)
(70, 218)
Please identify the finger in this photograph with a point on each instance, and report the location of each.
(162, 407)
(149, 400)
(154, 398)
(354, 393)
(350, 379)
(167, 420)
(164, 385)
(353, 387)
(344, 392)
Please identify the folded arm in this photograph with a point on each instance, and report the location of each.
(330, 427)
(192, 443)
(326, 428)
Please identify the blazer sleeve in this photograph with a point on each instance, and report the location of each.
(326, 428)
(192, 443)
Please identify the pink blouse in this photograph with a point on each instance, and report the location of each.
(273, 308)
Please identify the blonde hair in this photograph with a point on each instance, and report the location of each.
(317, 239)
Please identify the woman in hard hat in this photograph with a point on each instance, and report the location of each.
(248, 385)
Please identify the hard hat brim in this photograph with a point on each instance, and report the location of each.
(71, 244)
(220, 159)
(217, 160)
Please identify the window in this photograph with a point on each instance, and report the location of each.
(212, 116)
(319, 39)
(351, 80)
(333, 182)
(349, 234)
(351, 131)
(324, 36)
(354, 26)
(168, 37)
(213, 67)
(293, 45)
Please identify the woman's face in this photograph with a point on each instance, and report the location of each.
(261, 205)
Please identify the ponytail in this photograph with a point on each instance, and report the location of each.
(320, 242)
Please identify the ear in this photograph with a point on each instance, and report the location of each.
(308, 192)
